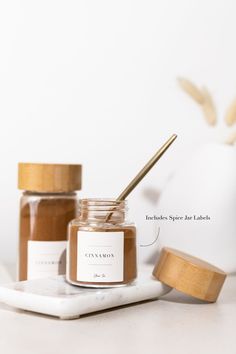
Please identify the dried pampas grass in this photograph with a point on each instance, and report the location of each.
(202, 97)
(191, 89)
(230, 117)
(208, 108)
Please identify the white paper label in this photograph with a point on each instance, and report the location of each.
(46, 259)
(100, 256)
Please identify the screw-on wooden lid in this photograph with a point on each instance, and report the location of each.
(49, 178)
(189, 274)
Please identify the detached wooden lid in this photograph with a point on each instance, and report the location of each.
(189, 274)
(49, 178)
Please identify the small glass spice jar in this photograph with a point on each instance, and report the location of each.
(48, 204)
(101, 249)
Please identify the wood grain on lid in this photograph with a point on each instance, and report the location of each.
(189, 274)
(46, 178)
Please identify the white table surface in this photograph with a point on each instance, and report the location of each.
(174, 324)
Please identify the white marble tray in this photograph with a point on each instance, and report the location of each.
(55, 297)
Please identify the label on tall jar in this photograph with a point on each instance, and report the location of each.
(100, 256)
(46, 259)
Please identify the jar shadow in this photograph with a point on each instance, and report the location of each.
(62, 263)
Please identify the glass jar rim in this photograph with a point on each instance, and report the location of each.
(103, 204)
(102, 201)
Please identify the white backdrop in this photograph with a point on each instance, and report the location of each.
(94, 82)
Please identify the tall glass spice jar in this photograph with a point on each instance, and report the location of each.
(48, 204)
(101, 249)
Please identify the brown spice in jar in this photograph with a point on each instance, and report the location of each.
(130, 266)
(44, 219)
(48, 204)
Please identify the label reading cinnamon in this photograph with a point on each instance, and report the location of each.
(46, 258)
(100, 256)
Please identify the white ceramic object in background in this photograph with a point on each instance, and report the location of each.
(206, 185)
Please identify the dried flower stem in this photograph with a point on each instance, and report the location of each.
(208, 107)
(230, 117)
(191, 89)
(202, 97)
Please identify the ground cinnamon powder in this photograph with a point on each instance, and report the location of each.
(91, 223)
(47, 205)
(44, 218)
(130, 268)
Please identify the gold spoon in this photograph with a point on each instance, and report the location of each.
(144, 171)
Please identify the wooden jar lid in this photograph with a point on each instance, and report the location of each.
(189, 274)
(49, 178)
